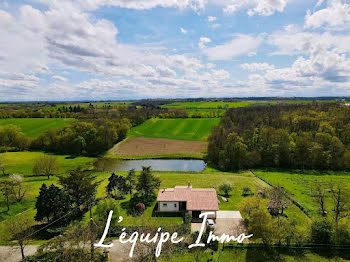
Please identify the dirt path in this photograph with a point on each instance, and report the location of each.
(13, 254)
(118, 253)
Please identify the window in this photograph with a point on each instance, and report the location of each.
(165, 205)
(175, 205)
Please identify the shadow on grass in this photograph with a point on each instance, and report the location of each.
(130, 206)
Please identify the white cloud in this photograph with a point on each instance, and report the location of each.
(211, 18)
(59, 78)
(253, 67)
(336, 16)
(131, 4)
(203, 41)
(293, 41)
(324, 70)
(255, 7)
(240, 45)
(183, 31)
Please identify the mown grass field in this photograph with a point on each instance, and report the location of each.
(22, 162)
(180, 129)
(299, 185)
(34, 127)
(217, 105)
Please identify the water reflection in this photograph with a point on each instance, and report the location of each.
(115, 165)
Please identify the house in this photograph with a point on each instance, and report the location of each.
(185, 199)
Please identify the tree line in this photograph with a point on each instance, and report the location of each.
(312, 136)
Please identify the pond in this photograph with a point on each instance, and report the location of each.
(116, 165)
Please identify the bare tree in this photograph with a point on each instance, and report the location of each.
(279, 196)
(18, 229)
(320, 194)
(6, 188)
(18, 189)
(46, 165)
(341, 199)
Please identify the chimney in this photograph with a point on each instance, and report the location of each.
(189, 184)
(163, 190)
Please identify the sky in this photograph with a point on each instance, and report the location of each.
(132, 49)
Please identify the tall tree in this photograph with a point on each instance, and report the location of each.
(341, 201)
(51, 203)
(320, 196)
(131, 181)
(147, 183)
(116, 186)
(81, 186)
(46, 165)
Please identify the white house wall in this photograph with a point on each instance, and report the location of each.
(168, 206)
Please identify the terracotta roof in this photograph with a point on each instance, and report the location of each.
(196, 198)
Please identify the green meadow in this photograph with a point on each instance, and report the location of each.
(34, 127)
(299, 185)
(181, 129)
(22, 163)
(205, 104)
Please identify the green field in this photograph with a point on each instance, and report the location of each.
(260, 255)
(216, 105)
(96, 104)
(34, 127)
(22, 163)
(299, 185)
(181, 129)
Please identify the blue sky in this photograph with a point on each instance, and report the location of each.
(130, 49)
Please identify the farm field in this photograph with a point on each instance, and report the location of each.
(299, 185)
(180, 129)
(205, 104)
(96, 104)
(34, 127)
(207, 112)
(134, 147)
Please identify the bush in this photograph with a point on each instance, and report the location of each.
(321, 231)
(226, 188)
(246, 191)
(140, 208)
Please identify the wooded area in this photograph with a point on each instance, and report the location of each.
(312, 136)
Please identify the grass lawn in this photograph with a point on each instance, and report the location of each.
(299, 185)
(181, 129)
(259, 255)
(209, 178)
(34, 127)
(22, 162)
